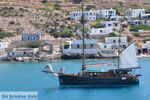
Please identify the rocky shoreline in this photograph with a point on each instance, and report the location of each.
(27, 59)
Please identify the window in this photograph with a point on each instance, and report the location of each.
(105, 46)
(34, 37)
(100, 31)
(143, 12)
(95, 74)
(28, 37)
(78, 46)
(114, 41)
(24, 38)
(93, 17)
(90, 13)
(91, 74)
(109, 24)
(124, 46)
(91, 45)
(110, 12)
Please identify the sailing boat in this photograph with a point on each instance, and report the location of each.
(123, 75)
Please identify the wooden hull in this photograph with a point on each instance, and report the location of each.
(80, 80)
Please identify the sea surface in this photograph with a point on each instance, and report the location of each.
(28, 77)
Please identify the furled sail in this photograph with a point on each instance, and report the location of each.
(100, 65)
(128, 58)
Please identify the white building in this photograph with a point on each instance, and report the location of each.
(112, 24)
(89, 15)
(22, 53)
(98, 32)
(116, 18)
(145, 16)
(33, 37)
(106, 13)
(144, 49)
(113, 43)
(132, 14)
(109, 26)
(3, 45)
(139, 22)
(91, 47)
(93, 15)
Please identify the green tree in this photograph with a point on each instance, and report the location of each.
(62, 26)
(112, 34)
(66, 33)
(4, 34)
(136, 28)
(57, 7)
(135, 6)
(98, 25)
(129, 38)
(90, 7)
(33, 45)
(148, 39)
(55, 34)
(77, 27)
(44, 1)
(66, 45)
(136, 34)
(11, 22)
(52, 30)
(118, 10)
(63, 34)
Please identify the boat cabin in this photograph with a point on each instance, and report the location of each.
(110, 73)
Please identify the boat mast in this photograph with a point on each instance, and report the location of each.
(83, 42)
(119, 52)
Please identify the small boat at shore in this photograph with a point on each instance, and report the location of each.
(122, 75)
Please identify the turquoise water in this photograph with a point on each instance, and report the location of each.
(28, 77)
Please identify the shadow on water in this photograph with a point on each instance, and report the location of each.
(97, 86)
(87, 87)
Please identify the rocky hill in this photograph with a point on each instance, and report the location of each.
(27, 16)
